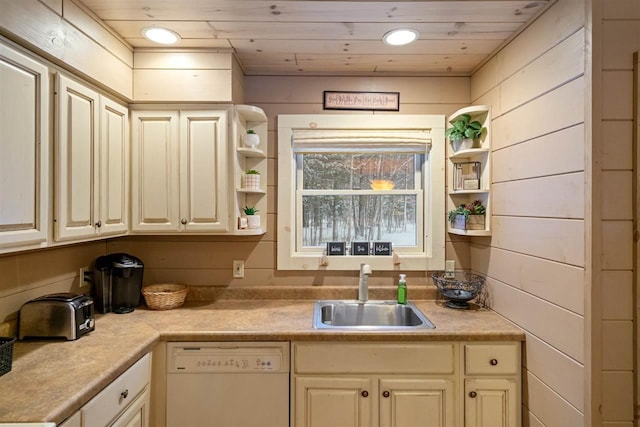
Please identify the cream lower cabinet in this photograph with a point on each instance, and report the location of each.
(374, 384)
(24, 151)
(92, 164)
(430, 384)
(123, 403)
(492, 385)
(179, 171)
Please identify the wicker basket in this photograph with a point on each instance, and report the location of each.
(6, 354)
(164, 296)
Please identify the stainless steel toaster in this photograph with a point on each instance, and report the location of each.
(63, 315)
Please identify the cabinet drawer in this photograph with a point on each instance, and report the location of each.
(364, 358)
(111, 401)
(494, 358)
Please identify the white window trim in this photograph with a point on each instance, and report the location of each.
(434, 200)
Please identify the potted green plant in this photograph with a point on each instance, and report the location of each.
(252, 179)
(470, 216)
(253, 220)
(464, 133)
(251, 139)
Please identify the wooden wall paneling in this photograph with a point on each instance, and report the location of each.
(550, 408)
(558, 283)
(617, 195)
(237, 82)
(92, 26)
(621, 9)
(492, 98)
(616, 102)
(559, 372)
(617, 345)
(8, 275)
(532, 198)
(617, 144)
(617, 245)
(617, 402)
(560, 240)
(413, 90)
(57, 39)
(55, 5)
(617, 295)
(562, 20)
(187, 86)
(620, 38)
(562, 108)
(561, 329)
(560, 64)
(531, 159)
(484, 80)
(183, 60)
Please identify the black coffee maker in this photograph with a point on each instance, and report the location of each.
(117, 283)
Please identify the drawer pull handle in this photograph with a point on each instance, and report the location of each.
(99, 224)
(184, 221)
(364, 393)
(386, 393)
(493, 362)
(124, 394)
(473, 394)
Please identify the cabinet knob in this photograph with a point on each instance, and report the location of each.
(493, 362)
(473, 394)
(364, 393)
(385, 393)
(99, 224)
(124, 394)
(183, 221)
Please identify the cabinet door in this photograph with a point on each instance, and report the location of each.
(73, 421)
(204, 193)
(416, 403)
(331, 402)
(76, 154)
(491, 403)
(24, 149)
(136, 415)
(154, 165)
(114, 168)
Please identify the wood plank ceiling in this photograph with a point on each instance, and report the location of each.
(331, 37)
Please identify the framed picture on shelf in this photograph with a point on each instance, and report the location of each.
(466, 176)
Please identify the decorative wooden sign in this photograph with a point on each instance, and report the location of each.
(336, 248)
(359, 248)
(382, 248)
(378, 101)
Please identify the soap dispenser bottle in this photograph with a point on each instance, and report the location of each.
(402, 289)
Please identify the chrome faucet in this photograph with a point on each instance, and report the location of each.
(363, 286)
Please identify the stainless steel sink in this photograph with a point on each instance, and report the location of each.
(370, 315)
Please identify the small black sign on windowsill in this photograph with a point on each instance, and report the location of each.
(359, 248)
(382, 248)
(336, 248)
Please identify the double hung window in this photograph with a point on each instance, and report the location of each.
(364, 179)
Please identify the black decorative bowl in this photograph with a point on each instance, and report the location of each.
(459, 287)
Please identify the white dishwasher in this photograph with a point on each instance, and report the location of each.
(227, 384)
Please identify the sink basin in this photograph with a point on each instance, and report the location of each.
(371, 315)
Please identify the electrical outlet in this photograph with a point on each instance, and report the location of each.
(238, 269)
(449, 268)
(85, 277)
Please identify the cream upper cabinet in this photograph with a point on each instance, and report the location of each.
(24, 151)
(91, 173)
(179, 171)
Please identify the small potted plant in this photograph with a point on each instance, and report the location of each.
(470, 216)
(251, 139)
(252, 179)
(464, 133)
(253, 220)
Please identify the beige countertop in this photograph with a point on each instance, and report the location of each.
(50, 380)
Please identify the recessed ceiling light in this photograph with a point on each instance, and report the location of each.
(160, 35)
(400, 37)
